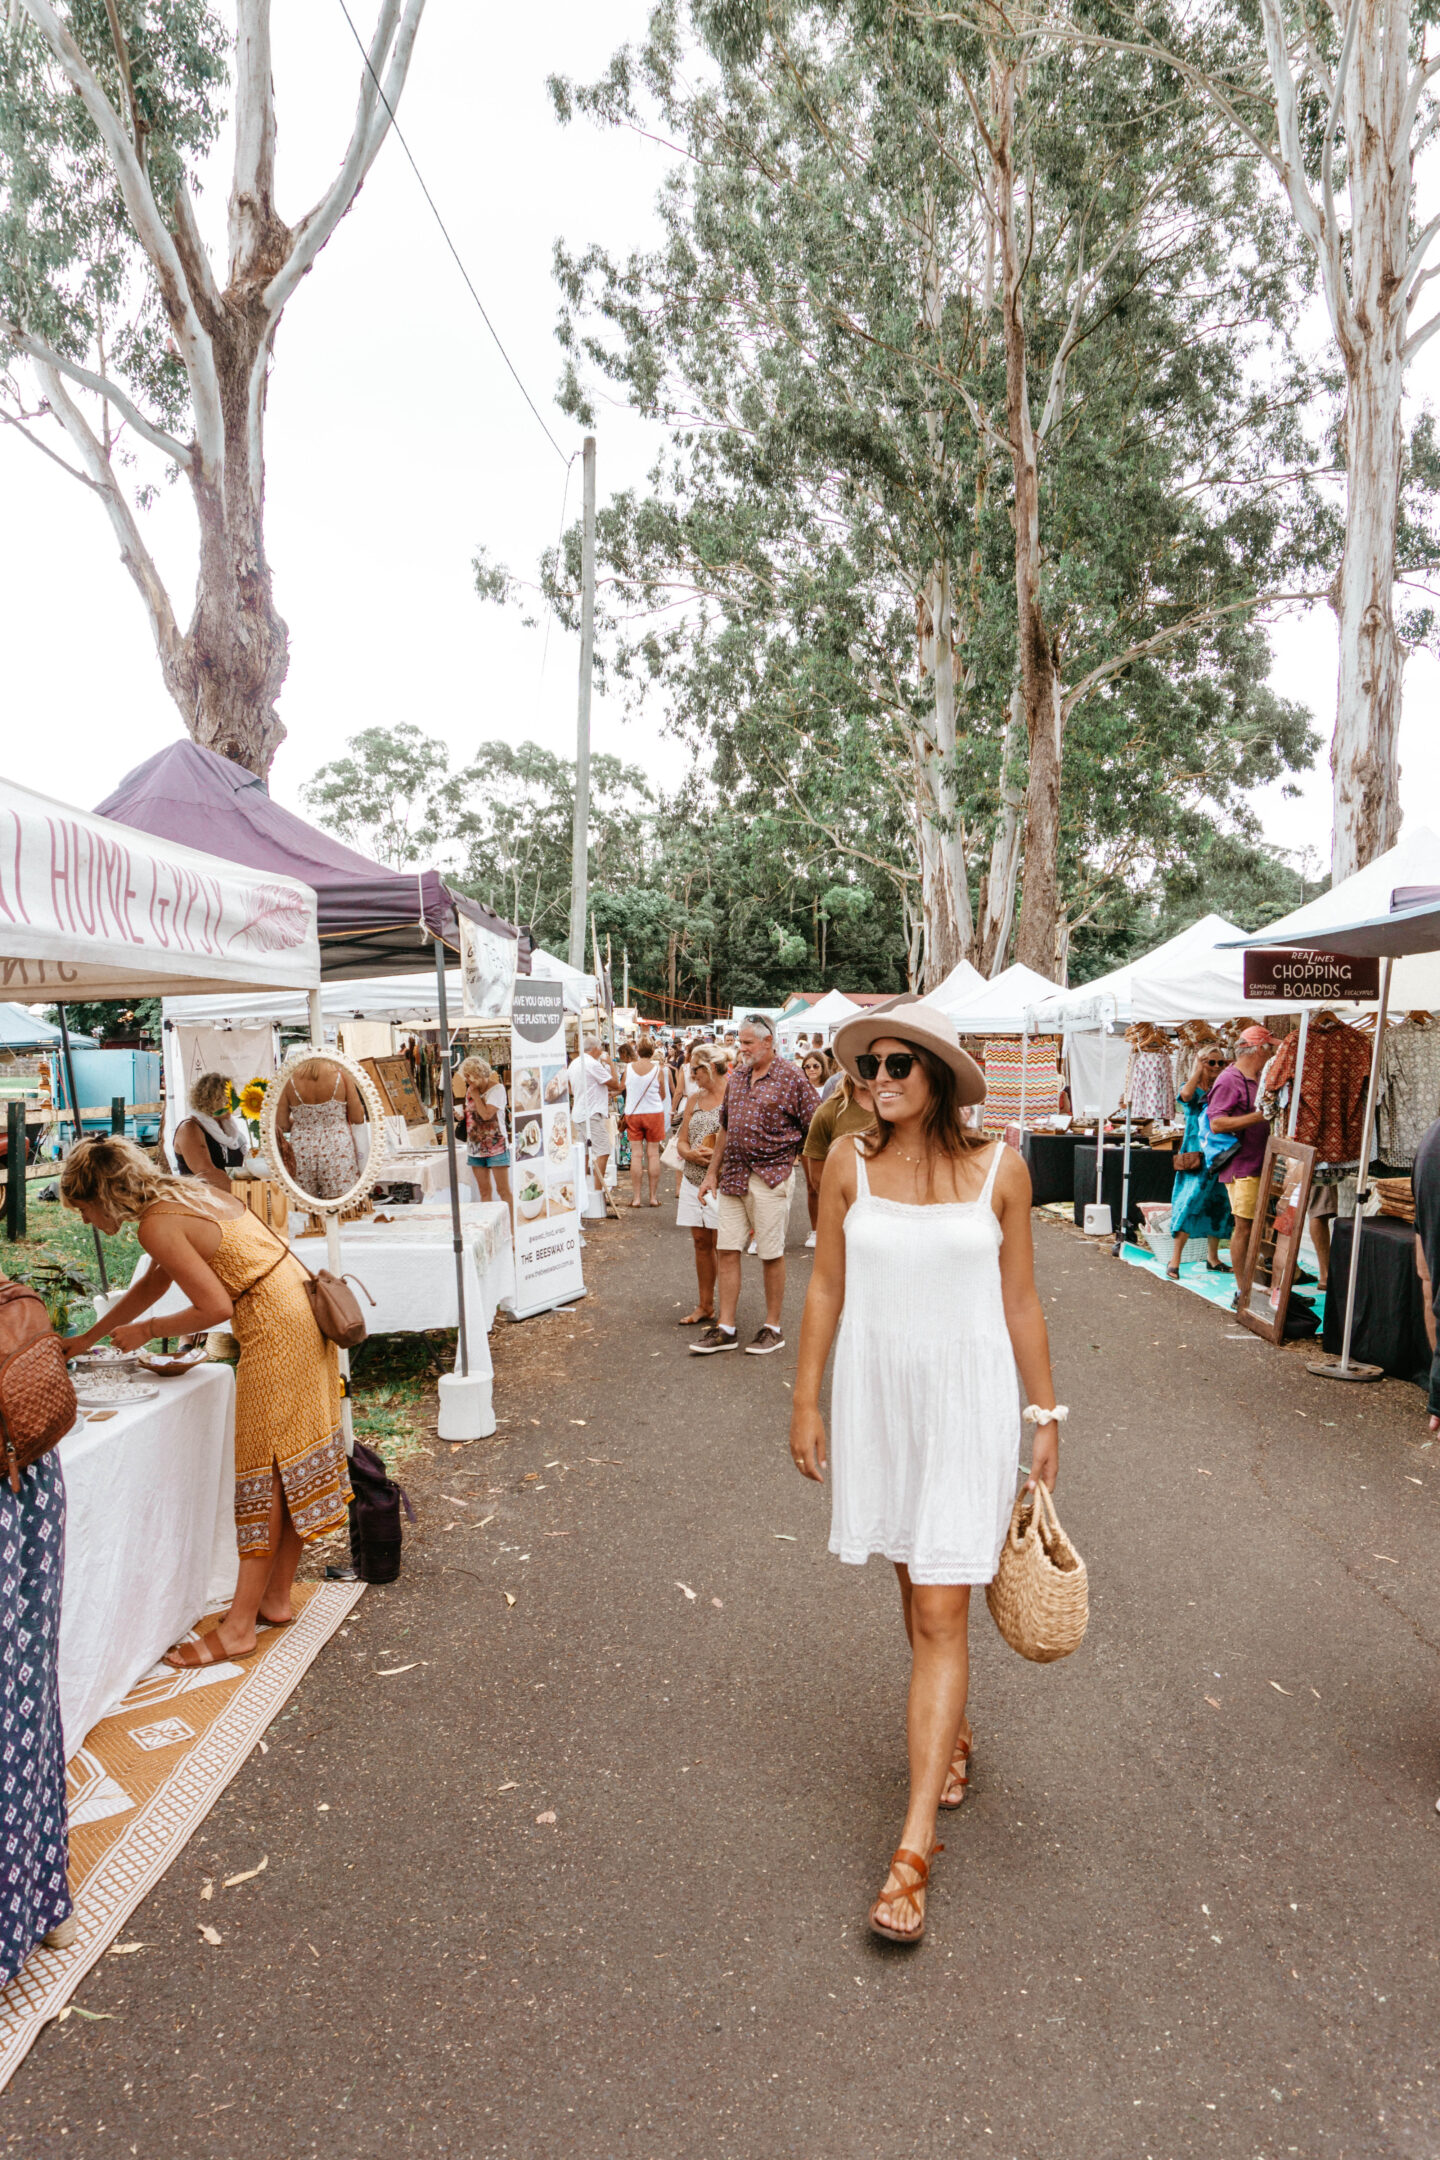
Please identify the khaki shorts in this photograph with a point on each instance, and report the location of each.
(1244, 1195)
(762, 1212)
(597, 1132)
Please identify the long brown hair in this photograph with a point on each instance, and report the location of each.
(943, 1130)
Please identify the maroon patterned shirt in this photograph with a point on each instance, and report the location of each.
(765, 1123)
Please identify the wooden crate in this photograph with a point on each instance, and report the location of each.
(267, 1198)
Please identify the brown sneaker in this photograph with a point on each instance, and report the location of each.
(714, 1338)
(768, 1339)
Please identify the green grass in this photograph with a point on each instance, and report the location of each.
(59, 1238)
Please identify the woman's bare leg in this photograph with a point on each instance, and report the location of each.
(1175, 1256)
(938, 1617)
(482, 1179)
(704, 1241)
(502, 1186)
(263, 1584)
(637, 1170)
(652, 1156)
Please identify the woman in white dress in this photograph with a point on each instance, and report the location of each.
(924, 1244)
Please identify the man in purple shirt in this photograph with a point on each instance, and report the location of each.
(1232, 1110)
(763, 1123)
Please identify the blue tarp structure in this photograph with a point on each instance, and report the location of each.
(24, 1030)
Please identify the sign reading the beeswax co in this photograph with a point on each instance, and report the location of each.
(547, 1174)
(1276, 976)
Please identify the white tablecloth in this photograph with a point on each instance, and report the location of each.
(149, 1537)
(408, 1266)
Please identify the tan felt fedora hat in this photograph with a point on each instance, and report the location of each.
(912, 1020)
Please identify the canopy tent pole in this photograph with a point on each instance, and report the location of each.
(448, 1106)
(1024, 1073)
(79, 1135)
(1124, 1190)
(1345, 1370)
(1100, 1120)
(1299, 1074)
(332, 1246)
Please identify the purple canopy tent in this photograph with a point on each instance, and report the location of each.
(372, 921)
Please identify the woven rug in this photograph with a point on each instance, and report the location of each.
(145, 1780)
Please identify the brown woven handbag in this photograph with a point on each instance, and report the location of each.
(1040, 1598)
(37, 1395)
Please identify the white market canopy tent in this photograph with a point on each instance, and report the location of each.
(91, 909)
(1001, 1006)
(579, 987)
(405, 1000)
(962, 981)
(1193, 963)
(1365, 898)
(825, 1015)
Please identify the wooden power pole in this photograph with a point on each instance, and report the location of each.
(580, 836)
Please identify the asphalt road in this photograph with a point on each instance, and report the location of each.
(1190, 1908)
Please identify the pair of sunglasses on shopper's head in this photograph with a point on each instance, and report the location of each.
(897, 1064)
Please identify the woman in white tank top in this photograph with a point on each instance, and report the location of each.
(924, 1243)
(647, 1099)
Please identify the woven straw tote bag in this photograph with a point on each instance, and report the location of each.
(1040, 1598)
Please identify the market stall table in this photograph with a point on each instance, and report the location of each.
(1389, 1326)
(1152, 1176)
(1050, 1159)
(403, 1257)
(149, 1537)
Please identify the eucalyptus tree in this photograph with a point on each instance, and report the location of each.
(1337, 98)
(118, 330)
(887, 233)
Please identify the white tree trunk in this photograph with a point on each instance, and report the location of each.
(1364, 756)
(949, 925)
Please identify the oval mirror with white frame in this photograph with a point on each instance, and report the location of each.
(323, 1129)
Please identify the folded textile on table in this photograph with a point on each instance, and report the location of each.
(1011, 1059)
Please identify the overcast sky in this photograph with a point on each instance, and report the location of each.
(397, 443)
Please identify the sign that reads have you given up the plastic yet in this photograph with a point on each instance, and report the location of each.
(1275, 975)
(549, 1172)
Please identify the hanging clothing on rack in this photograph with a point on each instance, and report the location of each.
(1005, 1058)
(1332, 1088)
(1150, 1084)
(1408, 1097)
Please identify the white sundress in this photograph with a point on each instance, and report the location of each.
(925, 1408)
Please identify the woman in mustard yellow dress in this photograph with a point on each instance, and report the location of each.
(292, 1484)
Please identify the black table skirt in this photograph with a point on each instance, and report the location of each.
(1050, 1159)
(1152, 1175)
(1389, 1303)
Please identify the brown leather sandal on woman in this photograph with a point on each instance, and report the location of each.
(908, 1894)
(957, 1777)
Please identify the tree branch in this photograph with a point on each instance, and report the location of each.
(1198, 619)
(133, 551)
(251, 215)
(86, 379)
(151, 231)
(373, 116)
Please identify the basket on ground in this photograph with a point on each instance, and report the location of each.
(1040, 1598)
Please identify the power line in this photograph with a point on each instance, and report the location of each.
(449, 242)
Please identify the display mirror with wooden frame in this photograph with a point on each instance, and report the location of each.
(314, 1129)
(1273, 1254)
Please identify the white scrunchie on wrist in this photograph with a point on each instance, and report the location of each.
(1033, 1414)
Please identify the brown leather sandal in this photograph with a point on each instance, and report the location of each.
(908, 1894)
(957, 1777)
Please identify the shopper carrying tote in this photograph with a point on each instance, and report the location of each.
(924, 1245)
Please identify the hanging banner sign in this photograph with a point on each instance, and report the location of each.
(487, 969)
(1275, 975)
(548, 1270)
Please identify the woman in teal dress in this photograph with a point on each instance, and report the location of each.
(1199, 1206)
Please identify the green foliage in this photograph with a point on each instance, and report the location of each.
(816, 332)
(110, 1017)
(384, 798)
(70, 265)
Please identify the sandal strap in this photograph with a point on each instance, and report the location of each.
(909, 1893)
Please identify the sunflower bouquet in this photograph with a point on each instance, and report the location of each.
(251, 1103)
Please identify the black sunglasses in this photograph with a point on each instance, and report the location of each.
(897, 1064)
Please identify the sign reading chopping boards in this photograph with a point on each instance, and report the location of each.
(547, 1185)
(1275, 975)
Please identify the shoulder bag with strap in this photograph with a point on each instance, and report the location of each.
(37, 1395)
(334, 1304)
(1217, 1147)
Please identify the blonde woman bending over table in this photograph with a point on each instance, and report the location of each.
(924, 1245)
(291, 1481)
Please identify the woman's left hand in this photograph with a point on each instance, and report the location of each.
(1044, 1458)
(133, 1337)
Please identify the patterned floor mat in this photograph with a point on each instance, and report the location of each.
(145, 1780)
